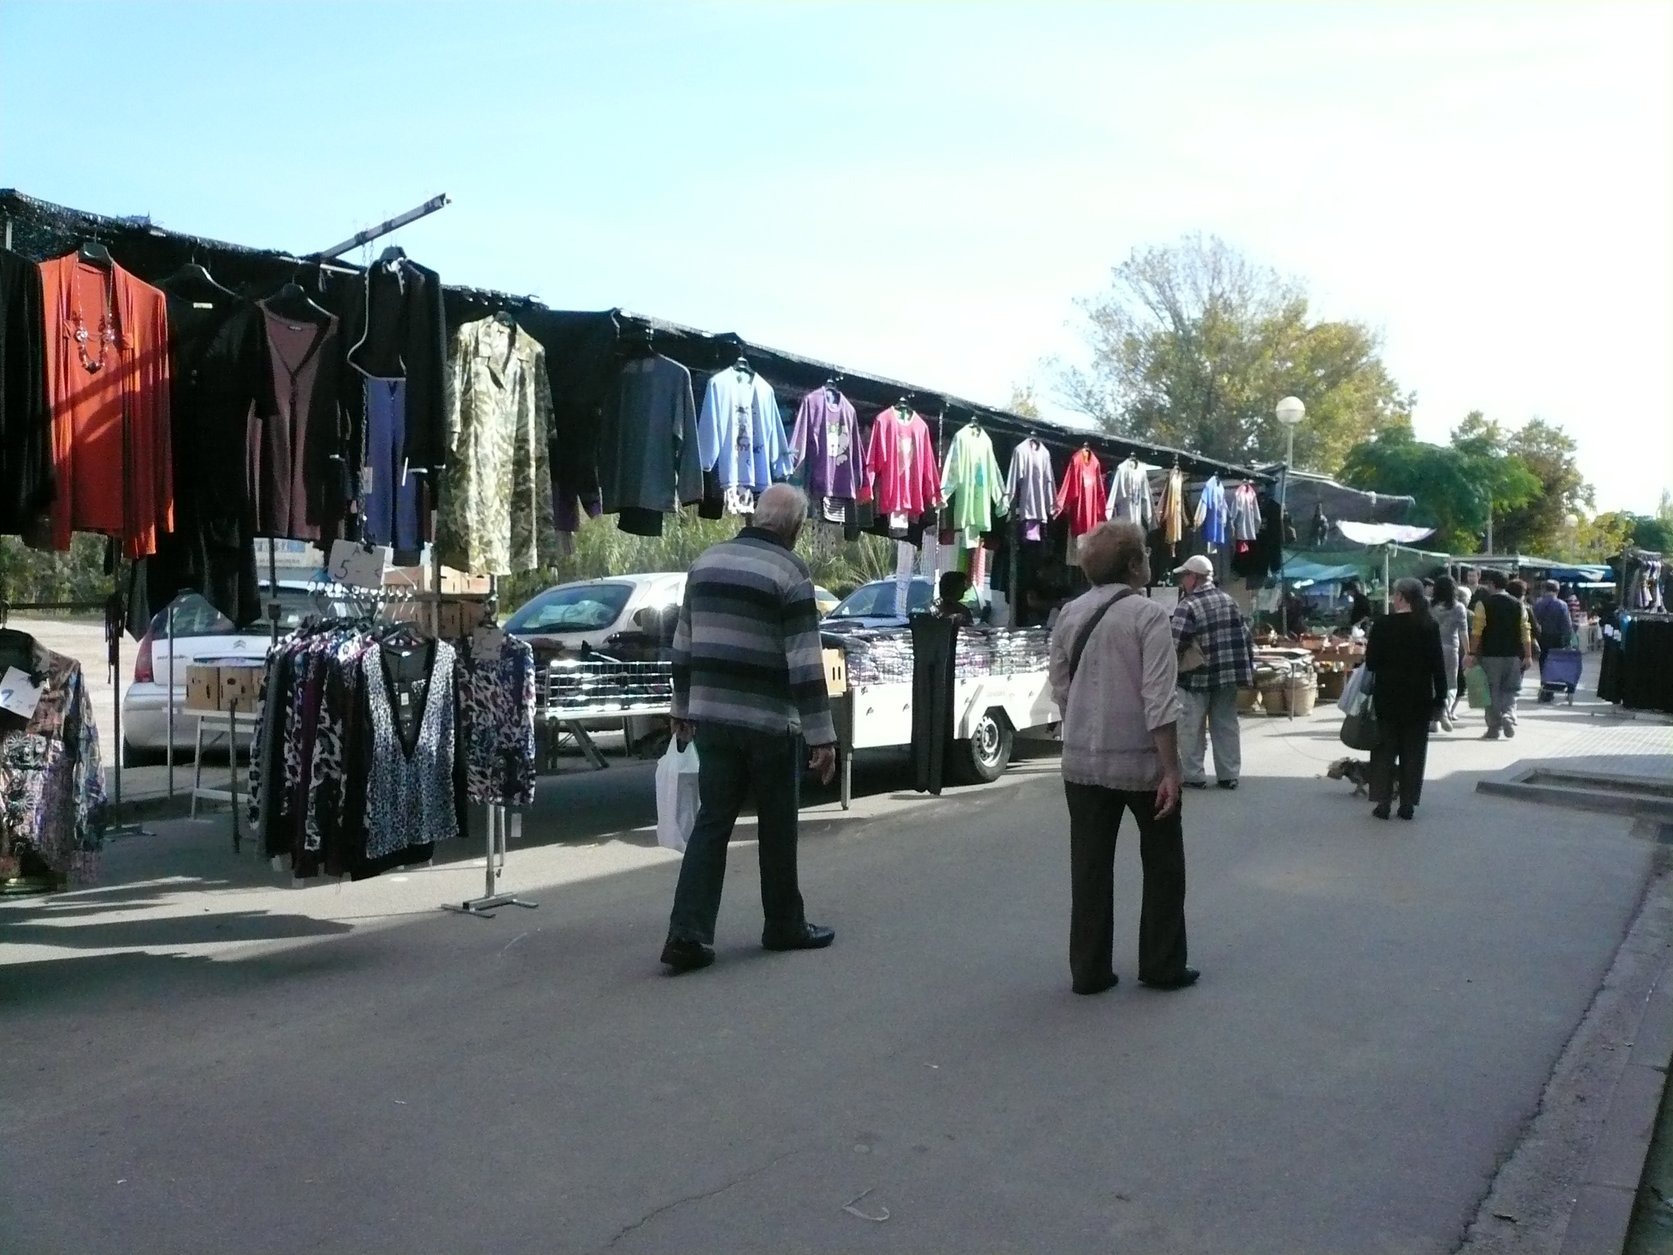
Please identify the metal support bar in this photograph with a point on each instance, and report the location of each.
(497, 822)
(588, 747)
(232, 774)
(273, 606)
(384, 228)
(115, 631)
(168, 750)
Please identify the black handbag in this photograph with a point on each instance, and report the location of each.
(1361, 731)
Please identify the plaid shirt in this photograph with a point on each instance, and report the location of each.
(1210, 619)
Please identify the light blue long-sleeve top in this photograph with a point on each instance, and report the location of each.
(740, 433)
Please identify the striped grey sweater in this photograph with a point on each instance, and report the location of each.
(746, 653)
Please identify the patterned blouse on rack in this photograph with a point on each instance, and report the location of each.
(496, 715)
(409, 790)
(52, 793)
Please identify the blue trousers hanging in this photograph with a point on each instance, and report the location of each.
(389, 493)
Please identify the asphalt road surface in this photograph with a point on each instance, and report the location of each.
(202, 1059)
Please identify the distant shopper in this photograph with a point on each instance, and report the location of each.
(1453, 622)
(1475, 588)
(1215, 660)
(1359, 605)
(1501, 640)
(749, 686)
(949, 604)
(1113, 673)
(1295, 611)
(1410, 690)
(1518, 588)
(1553, 621)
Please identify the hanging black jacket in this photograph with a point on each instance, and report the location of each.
(394, 328)
(25, 418)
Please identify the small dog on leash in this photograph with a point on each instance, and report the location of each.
(1352, 769)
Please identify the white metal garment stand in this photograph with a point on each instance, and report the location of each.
(498, 824)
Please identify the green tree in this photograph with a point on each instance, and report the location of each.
(1454, 485)
(601, 549)
(77, 576)
(1596, 539)
(1538, 524)
(1023, 401)
(1193, 345)
(1655, 531)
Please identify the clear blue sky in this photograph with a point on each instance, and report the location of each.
(924, 190)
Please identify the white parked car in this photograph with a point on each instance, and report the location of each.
(605, 614)
(602, 614)
(201, 634)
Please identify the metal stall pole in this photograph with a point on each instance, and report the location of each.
(435, 582)
(495, 822)
(113, 634)
(272, 593)
(168, 752)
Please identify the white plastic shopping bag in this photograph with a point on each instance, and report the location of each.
(676, 795)
(1356, 693)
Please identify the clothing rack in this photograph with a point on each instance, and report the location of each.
(113, 661)
(499, 823)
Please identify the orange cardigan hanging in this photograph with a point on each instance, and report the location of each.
(108, 385)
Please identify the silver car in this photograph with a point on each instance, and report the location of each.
(201, 634)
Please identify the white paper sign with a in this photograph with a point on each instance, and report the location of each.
(357, 565)
(19, 694)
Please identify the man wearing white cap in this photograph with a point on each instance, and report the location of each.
(1216, 658)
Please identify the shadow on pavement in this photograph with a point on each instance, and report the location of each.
(99, 983)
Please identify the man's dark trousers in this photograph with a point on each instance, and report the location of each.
(732, 764)
(1094, 819)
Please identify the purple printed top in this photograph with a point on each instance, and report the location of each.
(827, 439)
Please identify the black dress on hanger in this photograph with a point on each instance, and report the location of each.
(25, 417)
(394, 327)
(217, 362)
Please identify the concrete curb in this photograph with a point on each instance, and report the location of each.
(1602, 1217)
(1558, 783)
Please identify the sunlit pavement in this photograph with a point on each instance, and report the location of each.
(203, 1058)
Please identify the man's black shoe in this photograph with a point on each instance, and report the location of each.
(802, 937)
(1228, 784)
(1099, 986)
(1186, 978)
(687, 956)
(1196, 784)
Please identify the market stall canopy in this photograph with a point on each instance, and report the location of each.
(582, 346)
(1384, 533)
(1363, 563)
(1307, 491)
(1302, 571)
(1579, 574)
(793, 376)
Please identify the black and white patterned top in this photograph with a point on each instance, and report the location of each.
(496, 717)
(410, 793)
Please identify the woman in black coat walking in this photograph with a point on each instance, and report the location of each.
(1409, 691)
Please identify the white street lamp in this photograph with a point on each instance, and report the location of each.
(1290, 413)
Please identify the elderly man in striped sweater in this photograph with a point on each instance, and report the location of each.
(749, 685)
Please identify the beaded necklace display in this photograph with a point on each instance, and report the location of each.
(106, 336)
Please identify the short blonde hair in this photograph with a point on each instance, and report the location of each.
(1111, 550)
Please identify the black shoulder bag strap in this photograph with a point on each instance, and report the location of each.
(1091, 626)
